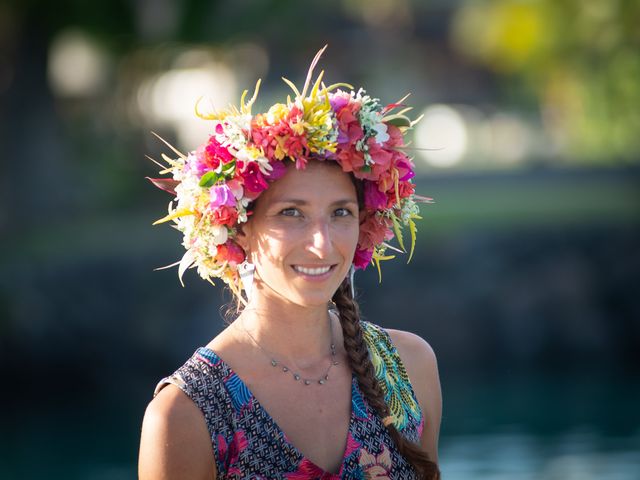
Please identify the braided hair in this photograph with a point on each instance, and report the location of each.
(360, 363)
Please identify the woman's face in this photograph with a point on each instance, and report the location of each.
(303, 234)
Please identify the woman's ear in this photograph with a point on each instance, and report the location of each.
(242, 236)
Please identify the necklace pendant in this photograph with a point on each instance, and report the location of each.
(296, 376)
(285, 369)
(274, 362)
(307, 382)
(321, 381)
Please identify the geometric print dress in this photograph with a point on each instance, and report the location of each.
(248, 444)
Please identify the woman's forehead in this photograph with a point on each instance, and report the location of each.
(318, 179)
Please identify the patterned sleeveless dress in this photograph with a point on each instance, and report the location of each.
(248, 444)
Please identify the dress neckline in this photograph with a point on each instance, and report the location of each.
(325, 475)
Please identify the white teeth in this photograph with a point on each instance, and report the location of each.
(312, 271)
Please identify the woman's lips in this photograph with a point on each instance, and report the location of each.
(317, 272)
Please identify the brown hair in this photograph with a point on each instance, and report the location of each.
(360, 363)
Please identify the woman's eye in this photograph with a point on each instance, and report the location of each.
(342, 212)
(290, 212)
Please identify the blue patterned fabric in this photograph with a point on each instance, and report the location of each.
(248, 444)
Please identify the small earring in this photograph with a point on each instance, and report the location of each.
(352, 273)
(246, 270)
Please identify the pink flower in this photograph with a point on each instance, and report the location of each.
(220, 195)
(374, 199)
(362, 258)
(210, 154)
(395, 137)
(405, 168)
(231, 452)
(254, 180)
(350, 160)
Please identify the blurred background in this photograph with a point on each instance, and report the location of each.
(525, 279)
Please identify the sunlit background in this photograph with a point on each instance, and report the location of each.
(525, 279)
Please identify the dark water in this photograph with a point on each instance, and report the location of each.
(582, 425)
(519, 427)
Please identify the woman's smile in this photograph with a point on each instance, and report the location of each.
(315, 272)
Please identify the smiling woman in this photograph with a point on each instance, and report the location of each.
(303, 234)
(283, 207)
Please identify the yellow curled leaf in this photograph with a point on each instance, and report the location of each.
(175, 150)
(333, 86)
(377, 258)
(413, 122)
(293, 87)
(178, 213)
(246, 107)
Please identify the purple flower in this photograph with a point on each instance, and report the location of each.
(278, 170)
(221, 195)
(405, 165)
(338, 100)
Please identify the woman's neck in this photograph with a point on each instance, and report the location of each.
(297, 334)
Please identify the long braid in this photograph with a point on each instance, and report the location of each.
(360, 363)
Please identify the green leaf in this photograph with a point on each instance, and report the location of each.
(228, 168)
(413, 230)
(208, 179)
(398, 231)
(397, 120)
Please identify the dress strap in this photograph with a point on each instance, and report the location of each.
(392, 376)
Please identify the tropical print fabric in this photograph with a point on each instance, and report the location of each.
(248, 444)
(392, 376)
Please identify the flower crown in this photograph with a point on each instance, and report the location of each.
(215, 184)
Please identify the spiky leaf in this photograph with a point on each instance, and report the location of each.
(413, 230)
(398, 231)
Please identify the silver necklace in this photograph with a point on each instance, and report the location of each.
(296, 376)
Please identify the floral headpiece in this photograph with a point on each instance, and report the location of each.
(215, 184)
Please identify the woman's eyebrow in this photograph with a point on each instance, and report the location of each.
(301, 202)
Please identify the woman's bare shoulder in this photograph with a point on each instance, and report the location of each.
(412, 349)
(175, 442)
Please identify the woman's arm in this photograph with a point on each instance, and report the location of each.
(422, 367)
(175, 442)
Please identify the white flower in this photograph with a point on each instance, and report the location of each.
(219, 234)
(381, 133)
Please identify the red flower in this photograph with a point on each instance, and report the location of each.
(230, 252)
(374, 229)
(225, 215)
(406, 189)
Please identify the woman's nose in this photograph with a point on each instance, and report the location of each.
(320, 239)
